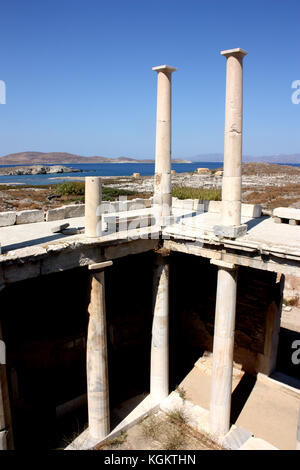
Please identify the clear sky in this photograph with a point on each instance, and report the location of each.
(78, 74)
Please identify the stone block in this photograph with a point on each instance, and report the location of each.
(236, 437)
(136, 204)
(74, 210)
(214, 206)
(188, 204)
(65, 212)
(251, 210)
(287, 213)
(7, 218)
(55, 214)
(29, 216)
(230, 232)
(59, 228)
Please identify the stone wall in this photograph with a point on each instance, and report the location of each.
(193, 296)
(78, 210)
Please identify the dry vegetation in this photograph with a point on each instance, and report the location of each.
(161, 431)
(268, 184)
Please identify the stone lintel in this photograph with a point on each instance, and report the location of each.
(97, 266)
(223, 264)
(234, 231)
(238, 52)
(164, 68)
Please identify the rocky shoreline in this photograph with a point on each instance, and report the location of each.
(270, 185)
(36, 170)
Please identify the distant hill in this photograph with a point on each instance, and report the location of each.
(35, 158)
(282, 158)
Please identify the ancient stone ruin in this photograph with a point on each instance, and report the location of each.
(128, 300)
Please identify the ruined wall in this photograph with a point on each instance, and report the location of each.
(193, 297)
(129, 323)
(44, 325)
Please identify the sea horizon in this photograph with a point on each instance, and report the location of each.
(104, 169)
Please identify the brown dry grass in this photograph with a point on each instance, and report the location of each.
(273, 196)
(254, 168)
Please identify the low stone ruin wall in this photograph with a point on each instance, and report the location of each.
(77, 210)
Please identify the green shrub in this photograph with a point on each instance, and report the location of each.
(184, 192)
(76, 188)
(72, 188)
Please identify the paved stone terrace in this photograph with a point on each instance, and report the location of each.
(263, 234)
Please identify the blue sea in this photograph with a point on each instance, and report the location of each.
(102, 169)
(105, 169)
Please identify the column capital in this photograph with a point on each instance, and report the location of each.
(99, 266)
(223, 264)
(238, 52)
(164, 68)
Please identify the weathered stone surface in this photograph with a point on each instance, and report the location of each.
(236, 438)
(55, 214)
(29, 216)
(59, 228)
(7, 218)
(3, 443)
(287, 213)
(74, 210)
(65, 212)
(255, 443)
(247, 210)
(251, 210)
(230, 232)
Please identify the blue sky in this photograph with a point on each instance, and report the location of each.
(78, 74)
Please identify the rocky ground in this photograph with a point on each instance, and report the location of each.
(269, 184)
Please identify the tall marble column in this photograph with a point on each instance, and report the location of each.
(162, 201)
(97, 366)
(159, 376)
(221, 380)
(232, 171)
(93, 196)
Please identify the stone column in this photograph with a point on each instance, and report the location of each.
(97, 368)
(162, 201)
(159, 378)
(232, 172)
(93, 219)
(221, 379)
(6, 435)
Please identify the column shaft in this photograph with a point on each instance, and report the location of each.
(97, 368)
(232, 181)
(93, 196)
(221, 380)
(162, 183)
(159, 379)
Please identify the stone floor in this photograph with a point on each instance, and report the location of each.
(270, 411)
(262, 233)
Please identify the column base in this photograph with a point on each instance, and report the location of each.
(234, 231)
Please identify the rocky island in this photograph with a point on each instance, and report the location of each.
(36, 170)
